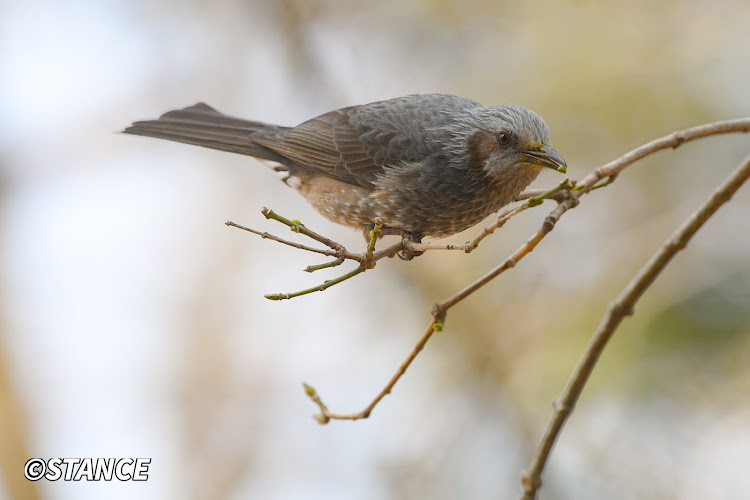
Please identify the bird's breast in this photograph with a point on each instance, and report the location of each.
(427, 204)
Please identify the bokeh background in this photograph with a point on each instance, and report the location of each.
(133, 323)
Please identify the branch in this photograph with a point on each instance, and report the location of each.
(264, 235)
(568, 197)
(297, 227)
(673, 140)
(439, 312)
(510, 262)
(366, 260)
(326, 415)
(369, 258)
(624, 306)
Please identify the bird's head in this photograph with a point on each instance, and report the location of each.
(504, 138)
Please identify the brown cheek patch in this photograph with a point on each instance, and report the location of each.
(480, 145)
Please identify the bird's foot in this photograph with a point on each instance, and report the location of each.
(407, 254)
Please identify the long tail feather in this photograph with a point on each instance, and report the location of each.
(202, 125)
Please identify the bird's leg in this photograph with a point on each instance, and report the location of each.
(394, 231)
(408, 254)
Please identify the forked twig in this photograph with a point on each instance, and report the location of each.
(439, 311)
(367, 260)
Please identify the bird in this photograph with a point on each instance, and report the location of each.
(427, 165)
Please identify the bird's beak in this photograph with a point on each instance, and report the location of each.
(546, 157)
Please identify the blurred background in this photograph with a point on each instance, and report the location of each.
(133, 323)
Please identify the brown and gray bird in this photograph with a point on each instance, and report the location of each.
(427, 165)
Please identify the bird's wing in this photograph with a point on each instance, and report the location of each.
(358, 143)
(331, 145)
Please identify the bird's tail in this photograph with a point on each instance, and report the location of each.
(202, 125)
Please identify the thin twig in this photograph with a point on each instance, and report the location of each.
(535, 198)
(326, 415)
(499, 222)
(563, 186)
(556, 196)
(510, 262)
(318, 288)
(469, 246)
(298, 227)
(673, 140)
(439, 312)
(365, 263)
(623, 306)
(390, 251)
(264, 235)
(326, 265)
(380, 254)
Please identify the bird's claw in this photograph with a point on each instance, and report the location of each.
(408, 254)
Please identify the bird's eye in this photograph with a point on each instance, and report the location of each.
(503, 138)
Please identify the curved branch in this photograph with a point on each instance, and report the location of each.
(624, 306)
(673, 141)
